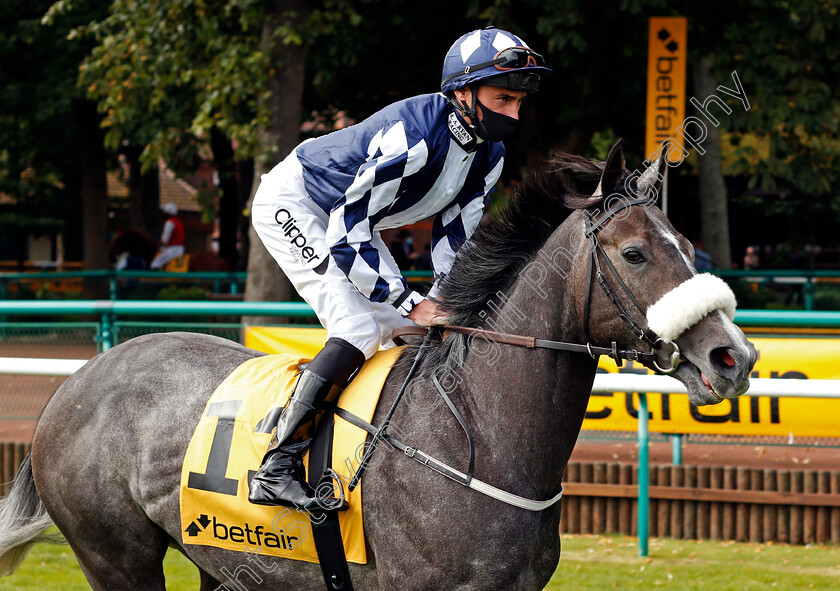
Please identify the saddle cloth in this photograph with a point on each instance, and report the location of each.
(225, 451)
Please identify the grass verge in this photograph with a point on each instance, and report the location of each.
(50, 568)
(588, 563)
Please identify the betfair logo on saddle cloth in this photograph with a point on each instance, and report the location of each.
(227, 448)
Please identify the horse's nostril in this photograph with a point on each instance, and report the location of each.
(724, 358)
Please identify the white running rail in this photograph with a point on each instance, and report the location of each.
(613, 382)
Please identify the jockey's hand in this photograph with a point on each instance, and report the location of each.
(428, 313)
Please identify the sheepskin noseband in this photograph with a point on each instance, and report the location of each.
(685, 305)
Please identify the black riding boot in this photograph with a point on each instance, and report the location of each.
(281, 479)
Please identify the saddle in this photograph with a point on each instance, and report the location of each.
(227, 447)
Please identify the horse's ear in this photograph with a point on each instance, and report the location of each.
(613, 171)
(650, 182)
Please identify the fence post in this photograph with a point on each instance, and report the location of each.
(809, 293)
(676, 449)
(3, 296)
(106, 332)
(644, 476)
(112, 284)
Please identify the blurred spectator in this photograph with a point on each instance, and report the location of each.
(402, 250)
(702, 260)
(751, 260)
(172, 237)
(797, 260)
(127, 261)
(132, 249)
(423, 261)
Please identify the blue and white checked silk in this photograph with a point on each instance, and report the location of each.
(399, 166)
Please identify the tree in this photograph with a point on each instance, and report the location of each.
(170, 78)
(279, 131)
(714, 212)
(787, 55)
(173, 76)
(49, 162)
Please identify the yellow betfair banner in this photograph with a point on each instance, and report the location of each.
(304, 341)
(667, 51)
(791, 358)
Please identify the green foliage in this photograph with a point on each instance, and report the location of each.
(788, 60)
(38, 69)
(826, 297)
(13, 220)
(749, 295)
(175, 292)
(164, 72)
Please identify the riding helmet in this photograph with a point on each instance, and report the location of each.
(494, 57)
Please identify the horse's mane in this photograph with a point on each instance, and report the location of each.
(502, 246)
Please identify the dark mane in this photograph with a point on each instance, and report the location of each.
(491, 260)
(495, 255)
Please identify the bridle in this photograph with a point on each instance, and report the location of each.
(592, 224)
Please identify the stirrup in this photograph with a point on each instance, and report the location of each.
(329, 504)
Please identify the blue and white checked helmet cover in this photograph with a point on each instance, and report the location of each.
(475, 48)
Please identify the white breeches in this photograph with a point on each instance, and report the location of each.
(293, 229)
(166, 254)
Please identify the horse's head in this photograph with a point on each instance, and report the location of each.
(642, 283)
(638, 287)
(133, 241)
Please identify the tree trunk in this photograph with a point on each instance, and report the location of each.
(229, 210)
(143, 194)
(245, 170)
(94, 191)
(714, 216)
(277, 139)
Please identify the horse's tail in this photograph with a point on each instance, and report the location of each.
(23, 520)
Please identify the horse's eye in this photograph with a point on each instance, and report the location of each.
(633, 256)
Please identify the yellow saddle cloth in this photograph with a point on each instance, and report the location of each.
(215, 510)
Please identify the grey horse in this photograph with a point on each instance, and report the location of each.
(106, 457)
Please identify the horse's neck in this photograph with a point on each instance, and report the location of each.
(532, 401)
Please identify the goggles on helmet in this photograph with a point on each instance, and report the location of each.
(512, 58)
(523, 81)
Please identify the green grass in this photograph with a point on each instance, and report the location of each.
(591, 562)
(588, 563)
(54, 568)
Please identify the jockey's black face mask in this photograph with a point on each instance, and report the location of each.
(493, 126)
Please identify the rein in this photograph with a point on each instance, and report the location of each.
(450, 472)
(592, 225)
(529, 342)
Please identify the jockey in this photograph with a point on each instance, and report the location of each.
(172, 237)
(320, 212)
